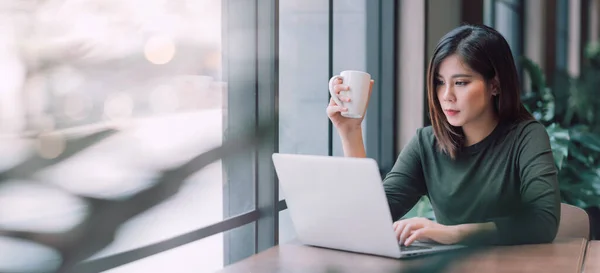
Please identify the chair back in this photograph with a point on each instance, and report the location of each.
(574, 222)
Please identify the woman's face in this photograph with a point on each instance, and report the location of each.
(464, 95)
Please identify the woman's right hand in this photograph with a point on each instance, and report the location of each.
(343, 124)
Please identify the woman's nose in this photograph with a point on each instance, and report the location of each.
(448, 94)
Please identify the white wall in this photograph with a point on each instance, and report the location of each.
(574, 43)
(411, 69)
(418, 39)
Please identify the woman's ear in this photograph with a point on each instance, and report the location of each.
(495, 86)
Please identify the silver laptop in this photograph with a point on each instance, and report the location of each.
(339, 203)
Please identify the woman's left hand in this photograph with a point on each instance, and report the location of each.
(423, 229)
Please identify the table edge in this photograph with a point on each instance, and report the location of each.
(584, 248)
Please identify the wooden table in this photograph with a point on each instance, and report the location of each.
(592, 257)
(564, 256)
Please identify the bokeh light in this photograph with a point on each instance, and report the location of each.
(50, 145)
(159, 49)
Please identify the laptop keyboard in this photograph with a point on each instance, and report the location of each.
(413, 248)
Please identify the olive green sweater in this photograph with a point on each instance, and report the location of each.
(508, 178)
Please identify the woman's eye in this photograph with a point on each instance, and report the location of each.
(438, 82)
(461, 83)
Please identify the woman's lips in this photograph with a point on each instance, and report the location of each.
(451, 112)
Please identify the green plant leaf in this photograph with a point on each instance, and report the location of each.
(539, 101)
(558, 132)
(559, 142)
(587, 140)
(577, 154)
(592, 50)
(538, 80)
(574, 104)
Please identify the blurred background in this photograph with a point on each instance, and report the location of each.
(105, 105)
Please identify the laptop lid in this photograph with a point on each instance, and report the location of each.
(337, 202)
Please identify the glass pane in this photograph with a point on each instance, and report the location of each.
(155, 75)
(349, 48)
(303, 77)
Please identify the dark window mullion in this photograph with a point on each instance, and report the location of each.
(372, 119)
(267, 81)
(239, 72)
(331, 72)
(381, 50)
(426, 119)
(387, 108)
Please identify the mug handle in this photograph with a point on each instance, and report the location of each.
(332, 92)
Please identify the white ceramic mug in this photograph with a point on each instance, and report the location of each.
(358, 93)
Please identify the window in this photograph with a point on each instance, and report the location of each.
(177, 79)
(155, 73)
(174, 97)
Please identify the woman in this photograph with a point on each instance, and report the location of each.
(485, 163)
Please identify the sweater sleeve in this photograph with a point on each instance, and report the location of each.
(538, 218)
(404, 184)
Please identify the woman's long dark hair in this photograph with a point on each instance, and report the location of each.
(486, 52)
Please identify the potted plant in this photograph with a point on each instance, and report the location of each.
(571, 113)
